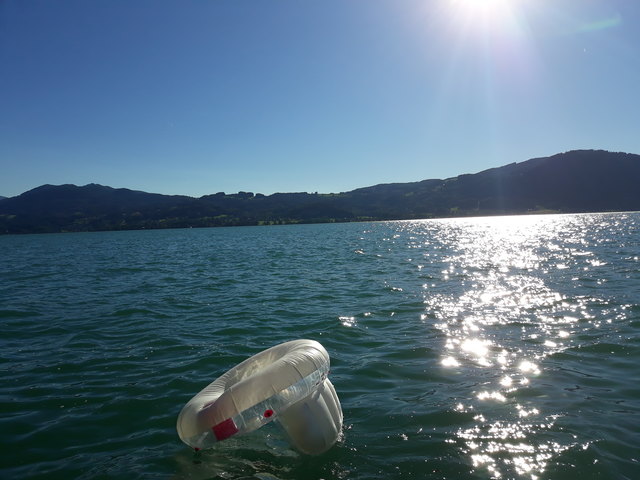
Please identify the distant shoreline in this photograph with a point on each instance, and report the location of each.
(581, 181)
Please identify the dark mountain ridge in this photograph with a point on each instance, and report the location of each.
(576, 181)
(92, 198)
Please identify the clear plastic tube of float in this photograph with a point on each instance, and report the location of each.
(287, 383)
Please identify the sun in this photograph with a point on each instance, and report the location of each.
(492, 14)
(481, 6)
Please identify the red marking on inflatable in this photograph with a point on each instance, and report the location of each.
(225, 429)
(268, 413)
(196, 449)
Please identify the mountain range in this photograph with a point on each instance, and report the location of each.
(570, 182)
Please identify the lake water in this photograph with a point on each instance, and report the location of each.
(461, 349)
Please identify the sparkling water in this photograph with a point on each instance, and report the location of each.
(505, 347)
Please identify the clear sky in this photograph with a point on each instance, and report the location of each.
(201, 96)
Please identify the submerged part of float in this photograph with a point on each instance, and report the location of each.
(287, 383)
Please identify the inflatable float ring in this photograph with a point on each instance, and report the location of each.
(287, 383)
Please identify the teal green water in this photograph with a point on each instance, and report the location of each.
(470, 348)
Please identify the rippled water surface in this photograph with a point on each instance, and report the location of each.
(469, 348)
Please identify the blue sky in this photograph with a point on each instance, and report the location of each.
(195, 97)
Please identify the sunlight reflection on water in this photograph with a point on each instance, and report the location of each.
(500, 299)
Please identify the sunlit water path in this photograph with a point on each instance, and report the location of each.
(468, 348)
